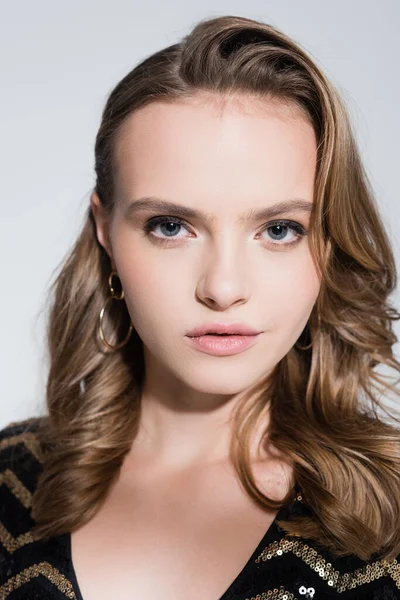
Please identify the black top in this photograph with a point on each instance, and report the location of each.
(280, 568)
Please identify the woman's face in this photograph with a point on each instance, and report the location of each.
(228, 265)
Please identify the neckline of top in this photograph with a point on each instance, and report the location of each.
(231, 590)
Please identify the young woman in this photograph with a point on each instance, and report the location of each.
(213, 426)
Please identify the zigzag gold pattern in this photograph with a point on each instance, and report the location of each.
(17, 487)
(9, 478)
(44, 568)
(11, 543)
(29, 439)
(335, 579)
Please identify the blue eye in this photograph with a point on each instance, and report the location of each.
(280, 229)
(172, 225)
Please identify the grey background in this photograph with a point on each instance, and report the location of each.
(59, 61)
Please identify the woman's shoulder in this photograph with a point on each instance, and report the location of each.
(29, 568)
(20, 448)
(29, 425)
(20, 467)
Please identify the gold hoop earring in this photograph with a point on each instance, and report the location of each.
(113, 296)
(303, 347)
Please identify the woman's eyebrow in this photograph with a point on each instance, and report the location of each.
(151, 203)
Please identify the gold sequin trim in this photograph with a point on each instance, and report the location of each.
(29, 439)
(340, 581)
(17, 487)
(11, 543)
(44, 568)
(275, 594)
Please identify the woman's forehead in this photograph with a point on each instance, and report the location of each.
(191, 146)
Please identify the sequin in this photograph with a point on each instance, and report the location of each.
(305, 567)
(275, 594)
(44, 568)
(309, 592)
(340, 581)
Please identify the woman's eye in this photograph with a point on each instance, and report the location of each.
(168, 226)
(277, 230)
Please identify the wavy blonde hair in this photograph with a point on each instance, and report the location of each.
(322, 396)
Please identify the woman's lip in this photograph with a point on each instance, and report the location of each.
(222, 345)
(223, 328)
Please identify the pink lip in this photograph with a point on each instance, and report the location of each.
(222, 345)
(221, 328)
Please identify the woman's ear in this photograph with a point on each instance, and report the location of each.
(102, 223)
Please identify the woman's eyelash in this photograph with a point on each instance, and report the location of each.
(152, 223)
